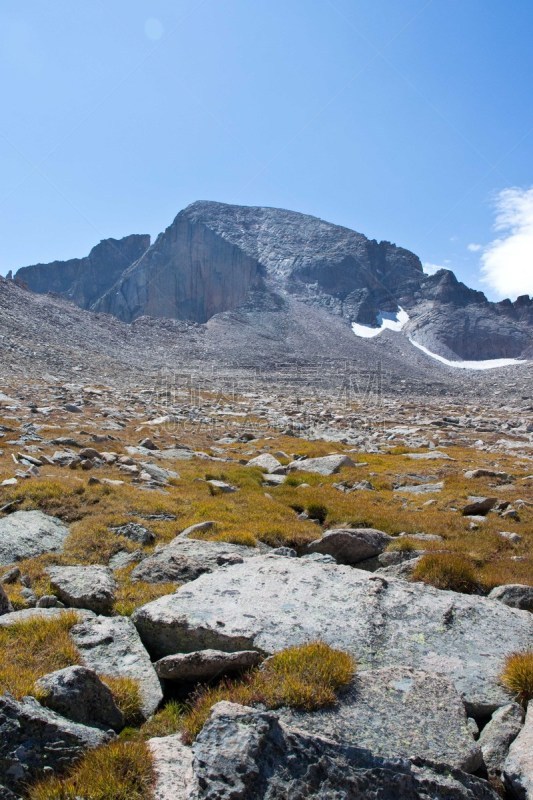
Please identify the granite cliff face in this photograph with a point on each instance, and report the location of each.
(217, 258)
(84, 280)
(191, 272)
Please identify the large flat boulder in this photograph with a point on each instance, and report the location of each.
(111, 646)
(26, 534)
(245, 754)
(271, 602)
(34, 740)
(397, 712)
(185, 559)
(92, 587)
(324, 465)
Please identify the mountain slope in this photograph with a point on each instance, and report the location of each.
(217, 258)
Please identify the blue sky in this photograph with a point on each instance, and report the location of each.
(407, 120)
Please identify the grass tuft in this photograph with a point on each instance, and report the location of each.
(306, 677)
(127, 697)
(517, 675)
(117, 771)
(447, 571)
(31, 649)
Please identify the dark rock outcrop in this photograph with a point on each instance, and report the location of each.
(85, 280)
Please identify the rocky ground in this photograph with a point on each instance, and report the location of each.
(164, 533)
(224, 575)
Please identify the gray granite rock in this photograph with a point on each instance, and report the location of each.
(91, 587)
(270, 602)
(325, 465)
(111, 646)
(516, 595)
(78, 694)
(265, 462)
(186, 559)
(397, 712)
(498, 735)
(518, 766)
(351, 545)
(242, 754)
(204, 665)
(172, 761)
(26, 534)
(34, 739)
(135, 533)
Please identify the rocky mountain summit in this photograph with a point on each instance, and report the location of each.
(275, 268)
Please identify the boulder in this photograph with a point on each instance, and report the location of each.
(5, 605)
(479, 506)
(265, 462)
(173, 769)
(91, 587)
(246, 754)
(135, 533)
(111, 646)
(397, 712)
(498, 735)
(158, 474)
(516, 595)
(349, 546)
(186, 559)
(270, 602)
(204, 665)
(326, 465)
(78, 694)
(26, 534)
(35, 740)
(518, 766)
(501, 477)
(421, 488)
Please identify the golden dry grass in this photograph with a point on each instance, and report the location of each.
(127, 696)
(31, 649)
(306, 677)
(132, 594)
(118, 771)
(517, 676)
(447, 571)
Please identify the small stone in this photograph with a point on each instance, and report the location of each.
(204, 665)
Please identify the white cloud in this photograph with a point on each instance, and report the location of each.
(474, 248)
(431, 269)
(507, 262)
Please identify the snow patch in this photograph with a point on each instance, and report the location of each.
(386, 320)
(489, 364)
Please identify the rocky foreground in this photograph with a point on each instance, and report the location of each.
(158, 546)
